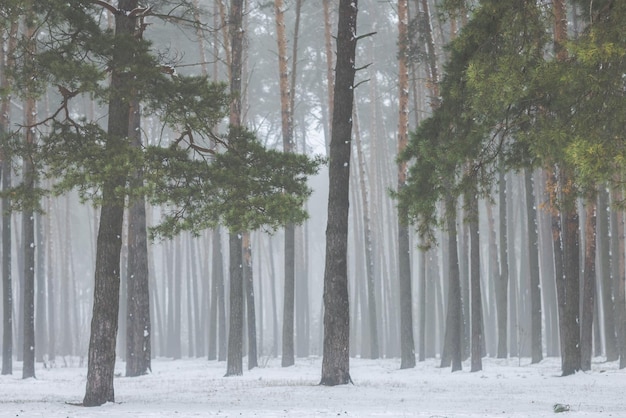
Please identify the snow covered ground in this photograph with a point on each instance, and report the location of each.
(196, 387)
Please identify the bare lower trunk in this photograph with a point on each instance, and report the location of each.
(336, 361)
(235, 333)
(589, 287)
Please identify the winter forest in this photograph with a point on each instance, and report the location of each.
(271, 182)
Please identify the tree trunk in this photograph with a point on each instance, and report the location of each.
(336, 360)
(619, 277)
(369, 256)
(475, 292)
(452, 351)
(235, 333)
(533, 267)
(407, 343)
(250, 308)
(589, 286)
(604, 249)
(28, 243)
(101, 358)
(570, 293)
(138, 324)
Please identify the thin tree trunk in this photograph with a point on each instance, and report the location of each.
(369, 248)
(604, 249)
(589, 286)
(336, 360)
(28, 242)
(251, 311)
(7, 283)
(533, 267)
(477, 336)
(138, 324)
(619, 277)
(407, 343)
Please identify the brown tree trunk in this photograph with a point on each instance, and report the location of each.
(589, 286)
(407, 344)
(569, 323)
(336, 360)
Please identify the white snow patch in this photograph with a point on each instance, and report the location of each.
(197, 387)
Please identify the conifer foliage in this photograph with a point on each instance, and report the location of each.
(205, 178)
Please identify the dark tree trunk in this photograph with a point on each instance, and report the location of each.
(288, 297)
(235, 333)
(475, 291)
(101, 358)
(502, 283)
(589, 287)
(336, 360)
(28, 217)
(570, 298)
(40, 276)
(250, 308)
(452, 350)
(138, 324)
(618, 279)
(28, 242)
(533, 268)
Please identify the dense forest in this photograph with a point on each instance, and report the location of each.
(169, 169)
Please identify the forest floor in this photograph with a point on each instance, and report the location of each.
(196, 387)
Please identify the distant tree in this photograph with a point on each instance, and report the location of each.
(9, 26)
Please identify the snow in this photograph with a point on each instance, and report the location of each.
(196, 387)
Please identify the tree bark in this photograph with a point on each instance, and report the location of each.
(235, 334)
(533, 268)
(604, 275)
(570, 298)
(453, 350)
(250, 306)
(336, 360)
(407, 344)
(589, 286)
(619, 278)
(28, 243)
(477, 336)
(138, 324)
(101, 357)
